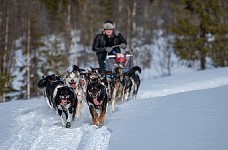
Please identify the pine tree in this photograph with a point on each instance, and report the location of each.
(195, 20)
(8, 34)
(217, 37)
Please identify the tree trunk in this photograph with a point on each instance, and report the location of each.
(28, 57)
(68, 39)
(5, 54)
(203, 51)
(129, 26)
(202, 62)
(133, 18)
(120, 8)
(134, 27)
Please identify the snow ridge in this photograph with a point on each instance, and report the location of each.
(197, 85)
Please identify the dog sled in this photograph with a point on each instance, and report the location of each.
(123, 60)
(123, 77)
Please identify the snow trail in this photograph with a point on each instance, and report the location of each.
(40, 129)
(35, 127)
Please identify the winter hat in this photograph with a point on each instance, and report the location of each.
(108, 25)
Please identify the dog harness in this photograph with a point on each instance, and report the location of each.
(64, 104)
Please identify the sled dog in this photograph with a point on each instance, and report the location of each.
(76, 81)
(96, 99)
(66, 102)
(50, 84)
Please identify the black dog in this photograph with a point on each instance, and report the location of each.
(132, 82)
(97, 100)
(135, 79)
(66, 101)
(50, 83)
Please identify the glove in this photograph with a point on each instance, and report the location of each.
(123, 45)
(108, 49)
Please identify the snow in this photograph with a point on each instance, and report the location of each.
(184, 111)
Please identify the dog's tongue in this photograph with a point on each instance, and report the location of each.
(72, 85)
(95, 101)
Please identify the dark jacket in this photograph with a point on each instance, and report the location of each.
(99, 43)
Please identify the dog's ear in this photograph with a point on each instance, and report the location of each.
(75, 68)
(58, 77)
(67, 74)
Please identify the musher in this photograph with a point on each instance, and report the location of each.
(105, 43)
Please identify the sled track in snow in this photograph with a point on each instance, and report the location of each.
(47, 133)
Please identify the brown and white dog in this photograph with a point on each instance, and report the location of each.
(119, 85)
(107, 80)
(97, 99)
(96, 96)
(76, 81)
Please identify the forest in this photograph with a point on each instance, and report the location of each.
(39, 37)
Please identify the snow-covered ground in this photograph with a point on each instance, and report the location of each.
(186, 111)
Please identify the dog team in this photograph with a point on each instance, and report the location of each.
(98, 88)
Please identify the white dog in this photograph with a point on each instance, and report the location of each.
(77, 83)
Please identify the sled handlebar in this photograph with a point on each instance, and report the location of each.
(114, 56)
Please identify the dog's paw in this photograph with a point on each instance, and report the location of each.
(68, 125)
(95, 126)
(99, 125)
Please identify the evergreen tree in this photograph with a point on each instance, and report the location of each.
(54, 58)
(217, 37)
(195, 19)
(8, 35)
(30, 46)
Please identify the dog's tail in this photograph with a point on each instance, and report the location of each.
(132, 71)
(42, 83)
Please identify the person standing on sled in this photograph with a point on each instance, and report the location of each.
(105, 43)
